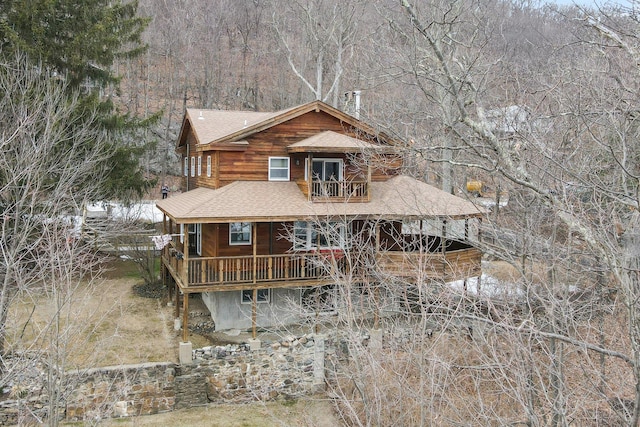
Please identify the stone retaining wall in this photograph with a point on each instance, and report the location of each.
(230, 374)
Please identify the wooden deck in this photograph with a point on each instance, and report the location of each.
(454, 265)
(246, 272)
(310, 269)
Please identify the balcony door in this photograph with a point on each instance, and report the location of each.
(328, 173)
(327, 169)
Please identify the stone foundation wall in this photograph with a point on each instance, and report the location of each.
(230, 374)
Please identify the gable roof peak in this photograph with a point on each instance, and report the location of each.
(220, 126)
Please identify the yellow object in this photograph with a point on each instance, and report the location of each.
(475, 188)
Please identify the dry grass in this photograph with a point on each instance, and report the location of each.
(104, 324)
(301, 413)
(108, 324)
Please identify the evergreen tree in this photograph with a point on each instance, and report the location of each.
(78, 41)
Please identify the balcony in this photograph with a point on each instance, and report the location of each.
(340, 191)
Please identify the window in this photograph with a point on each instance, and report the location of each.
(186, 166)
(199, 165)
(319, 300)
(193, 166)
(264, 296)
(240, 233)
(209, 166)
(323, 235)
(278, 169)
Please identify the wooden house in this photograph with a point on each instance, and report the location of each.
(275, 203)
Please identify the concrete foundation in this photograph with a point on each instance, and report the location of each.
(318, 363)
(185, 353)
(254, 344)
(177, 324)
(375, 339)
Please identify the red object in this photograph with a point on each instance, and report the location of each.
(337, 254)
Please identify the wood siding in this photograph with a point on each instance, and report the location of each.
(252, 164)
(215, 241)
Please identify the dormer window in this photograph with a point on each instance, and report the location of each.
(278, 169)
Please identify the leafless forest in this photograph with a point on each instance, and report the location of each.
(539, 103)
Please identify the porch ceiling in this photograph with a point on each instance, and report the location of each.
(400, 197)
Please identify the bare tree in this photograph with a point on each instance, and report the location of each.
(318, 42)
(48, 171)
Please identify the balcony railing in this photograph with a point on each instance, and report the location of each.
(349, 191)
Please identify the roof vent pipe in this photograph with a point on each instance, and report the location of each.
(356, 95)
(352, 103)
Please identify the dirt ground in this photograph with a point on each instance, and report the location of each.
(109, 324)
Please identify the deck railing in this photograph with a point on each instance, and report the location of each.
(454, 265)
(240, 270)
(350, 191)
(266, 268)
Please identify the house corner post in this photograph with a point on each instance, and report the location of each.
(368, 196)
(185, 258)
(254, 239)
(443, 247)
(309, 176)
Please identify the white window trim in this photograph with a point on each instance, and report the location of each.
(288, 168)
(232, 243)
(208, 166)
(309, 244)
(181, 233)
(199, 239)
(193, 166)
(248, 300)
(199, 165)
(186, 166)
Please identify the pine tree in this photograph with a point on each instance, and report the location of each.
(78, 41)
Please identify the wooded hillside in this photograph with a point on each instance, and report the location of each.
(538, 103)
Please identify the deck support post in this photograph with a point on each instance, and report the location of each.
(176, 290)
(185, 317)
(254, 313)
